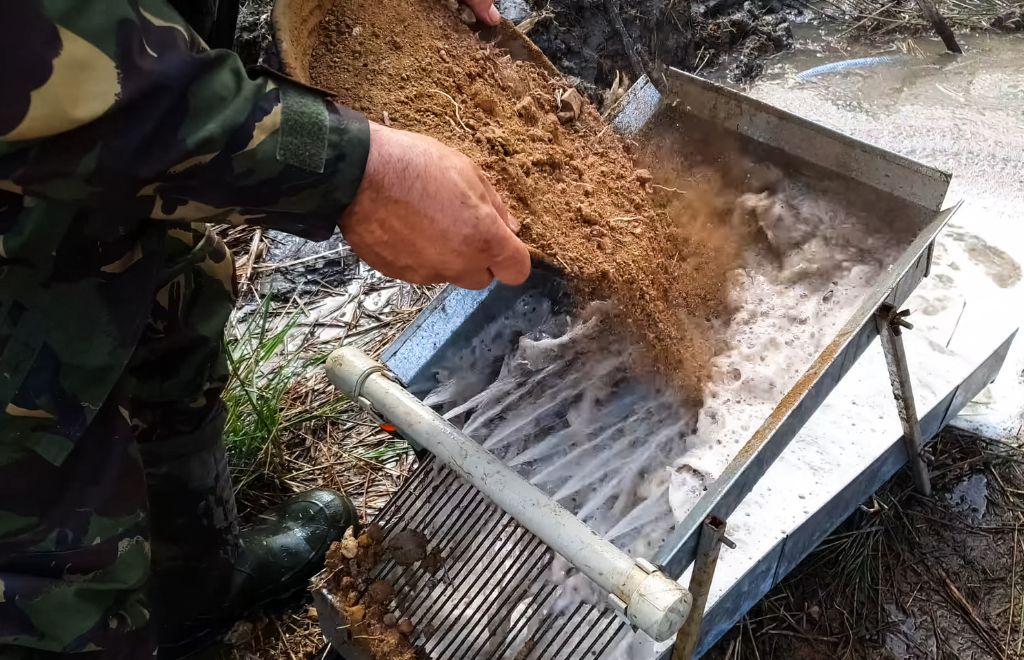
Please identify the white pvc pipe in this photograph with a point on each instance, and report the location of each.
(654, 603)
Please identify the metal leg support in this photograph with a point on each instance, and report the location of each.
(890, 328)
(712, 537)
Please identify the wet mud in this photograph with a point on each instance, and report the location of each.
(607, 44)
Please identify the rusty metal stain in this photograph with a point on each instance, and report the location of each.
(796, 393)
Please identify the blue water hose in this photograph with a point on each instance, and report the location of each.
(845, 65)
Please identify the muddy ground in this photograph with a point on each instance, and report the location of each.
(601, 41)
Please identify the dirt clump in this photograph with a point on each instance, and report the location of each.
(408, 547)
(367, 606)
(570, 179)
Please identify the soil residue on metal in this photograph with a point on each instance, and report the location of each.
(584, 204)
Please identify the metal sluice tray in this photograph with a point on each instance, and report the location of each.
(502, 601)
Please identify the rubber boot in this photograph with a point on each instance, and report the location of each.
(207, 574)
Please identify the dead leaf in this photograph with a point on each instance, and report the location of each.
(615, 93)
(531, 21)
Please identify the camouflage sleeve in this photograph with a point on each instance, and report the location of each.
(117, 104)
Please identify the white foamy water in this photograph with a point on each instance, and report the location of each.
(965, 115)
(629, 459)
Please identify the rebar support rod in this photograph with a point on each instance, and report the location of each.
(647, 597)
(712, 537)
(890, 328)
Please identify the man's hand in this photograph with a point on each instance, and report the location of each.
(425, 214)
(484, 10)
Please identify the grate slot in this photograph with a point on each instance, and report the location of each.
(480, 588)
(494, 596)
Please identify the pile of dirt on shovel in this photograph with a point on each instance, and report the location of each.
(585, 205)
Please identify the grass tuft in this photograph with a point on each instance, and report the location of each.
(269, 367)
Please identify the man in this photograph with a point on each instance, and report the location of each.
(120, 134)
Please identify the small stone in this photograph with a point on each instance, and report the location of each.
(814, 612)
(390, 620)
(644, 177)
(355, 614)
(387, 119)
(527, 110)
(570, 105)
(405, 626)
(349, 546)
(357, 31)
(443, 54)
(312, 614)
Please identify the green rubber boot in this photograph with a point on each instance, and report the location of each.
(207, 574)
(287, 547)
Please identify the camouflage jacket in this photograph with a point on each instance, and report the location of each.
(116, 125)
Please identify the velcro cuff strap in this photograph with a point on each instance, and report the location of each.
(305, 124)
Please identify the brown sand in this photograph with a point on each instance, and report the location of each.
(582, 201)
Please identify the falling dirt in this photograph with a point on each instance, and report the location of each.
(584, 204)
